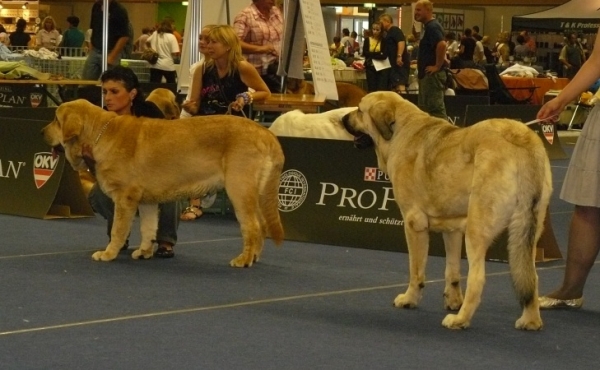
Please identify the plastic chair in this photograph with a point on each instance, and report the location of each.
(499, 93)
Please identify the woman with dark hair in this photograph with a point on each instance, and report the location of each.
(123, 95)
(19, 38)
(165, 44)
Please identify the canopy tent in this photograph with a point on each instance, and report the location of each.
(576, 15)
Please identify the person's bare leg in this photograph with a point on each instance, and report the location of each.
(582, 250)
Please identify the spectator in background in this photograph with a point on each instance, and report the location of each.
(140, 43)
(374, 51)
(355, 44)
(196, 205)
(529, 41)
(87, 40)
(452, 47)
(165, 44)
(3, 35)
(118, 35)
(503, 48)
(466, 52)
(395, 48)
(412, 46)
(487, 51)
(571, 56)
(48, 37)
(336, 49)
(260, 29)
(476, 34)
(431, 60)
(522, 50)
(20, 38)
(73, 37)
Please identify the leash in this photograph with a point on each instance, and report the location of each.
(542, 120)
(102, 130)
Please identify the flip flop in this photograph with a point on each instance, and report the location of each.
(194, 210)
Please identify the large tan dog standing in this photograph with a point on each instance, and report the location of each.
(473, 182)
(143, 161)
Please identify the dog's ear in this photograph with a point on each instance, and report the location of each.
(71, 123)
(383, 116)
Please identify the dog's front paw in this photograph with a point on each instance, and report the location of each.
(243, 260)
(404, 301)
(452, 321)
(145, 254)
(525, 324)
(103, 256)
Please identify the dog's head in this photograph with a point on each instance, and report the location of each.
(63, 133)
(166, 101)
(377, 117)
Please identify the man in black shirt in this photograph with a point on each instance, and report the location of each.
(118, 35)
(395, 48)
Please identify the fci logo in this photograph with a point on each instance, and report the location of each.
(43, 167)
(548, 130)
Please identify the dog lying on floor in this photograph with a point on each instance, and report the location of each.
(136, 166)
(327, 125)
(349, 95)
(471, 182)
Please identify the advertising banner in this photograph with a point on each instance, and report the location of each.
(22, 95)
(33, 182)
(332, 193)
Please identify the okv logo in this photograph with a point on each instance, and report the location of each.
(44, 165)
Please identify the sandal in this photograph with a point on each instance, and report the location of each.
(191, 213)
(164, 251)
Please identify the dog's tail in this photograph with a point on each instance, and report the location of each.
(269, 196)
(526, 225)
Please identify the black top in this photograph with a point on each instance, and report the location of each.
(118, 24)
(468, 44)
(377, 55)
(217, 93)
(19, 39)
(392, 37)
(432, 34)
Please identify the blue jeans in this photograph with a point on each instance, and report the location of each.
(92, 69)
(168, 215)
(431, 94)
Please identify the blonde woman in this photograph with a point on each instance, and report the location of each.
(224, 83)
(48, 37)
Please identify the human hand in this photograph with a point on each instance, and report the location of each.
(399, 61)
(550, 110)
(238, 104)
(269, 48)
(431, 70)
(190, 106)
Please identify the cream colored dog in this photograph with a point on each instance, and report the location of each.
(143, 161)
(326, 125)
(473, 182)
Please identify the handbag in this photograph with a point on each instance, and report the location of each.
(150, 55)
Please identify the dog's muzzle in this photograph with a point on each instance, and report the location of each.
(361, 140)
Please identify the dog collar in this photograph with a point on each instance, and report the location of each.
(102, 130)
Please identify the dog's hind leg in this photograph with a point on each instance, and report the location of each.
(123, 217)
(453, 297)
(417, 238)
(148, 227)
(523, 233)
(245, 205)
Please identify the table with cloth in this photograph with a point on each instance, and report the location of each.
(543, 84)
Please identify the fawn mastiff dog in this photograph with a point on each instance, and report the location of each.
(472, 182)
(143, 162)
